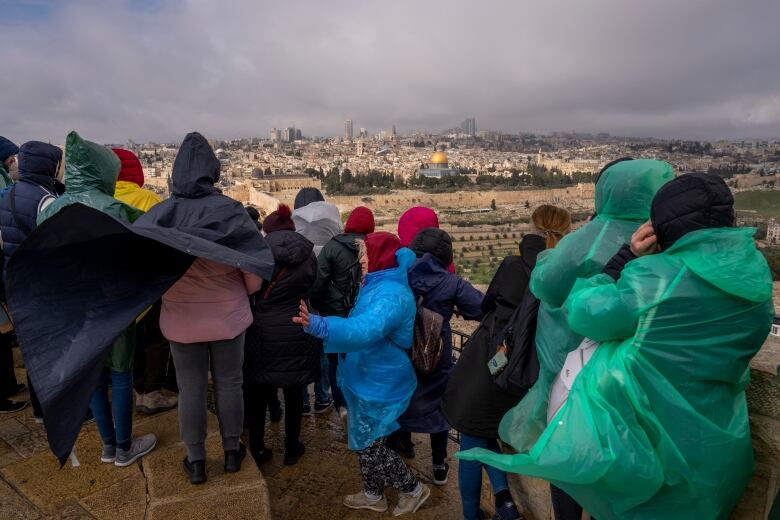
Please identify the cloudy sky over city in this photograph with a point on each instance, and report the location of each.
(155, 69)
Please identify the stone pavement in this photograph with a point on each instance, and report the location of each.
(33, 487)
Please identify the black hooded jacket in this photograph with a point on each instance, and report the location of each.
(333, 274)
(200, 221)
(278, 351)
(473, 403)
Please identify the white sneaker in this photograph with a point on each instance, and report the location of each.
(408, 503)
(362, 501)
(156, 402)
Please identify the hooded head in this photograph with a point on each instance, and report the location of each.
(89, 166)
(690, 202)
(306, 196)
(625, 190)
(195, 169)
(413, 220)
(380, 249)
(279, 220)
(436, 242)
(361, 221)
(131, 170)
(7, 149)
(39, 159)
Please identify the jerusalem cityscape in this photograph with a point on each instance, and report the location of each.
(434, 260)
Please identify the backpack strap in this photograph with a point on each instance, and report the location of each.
(22, 225)
(274, 282)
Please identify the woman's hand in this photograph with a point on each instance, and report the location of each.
(303, 315)
(644, 241)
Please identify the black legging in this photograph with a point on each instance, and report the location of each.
(564, 506)
(438, 444)
(257, 399)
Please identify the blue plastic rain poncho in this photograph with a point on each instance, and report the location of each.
(376, 374)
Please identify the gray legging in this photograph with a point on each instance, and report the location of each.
(192, 362)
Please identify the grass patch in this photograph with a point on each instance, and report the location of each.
(765, 203)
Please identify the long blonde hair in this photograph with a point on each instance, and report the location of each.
(552, 222)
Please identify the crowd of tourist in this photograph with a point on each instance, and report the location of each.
(591, 365)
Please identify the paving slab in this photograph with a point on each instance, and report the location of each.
(48, 487)
(14, 507)
(125, 500)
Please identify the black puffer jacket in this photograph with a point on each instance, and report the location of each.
(278, 351)
(473, 403)
(333, 274)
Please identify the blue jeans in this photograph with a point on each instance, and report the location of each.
(115, 418)
(335, 389)
(470, 475)
(320, 387)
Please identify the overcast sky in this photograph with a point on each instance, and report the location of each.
(155, 69)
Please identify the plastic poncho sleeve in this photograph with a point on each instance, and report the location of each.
(555, 271)
(366, 328)
(601, 309)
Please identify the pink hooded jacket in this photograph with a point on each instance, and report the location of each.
(209, 303)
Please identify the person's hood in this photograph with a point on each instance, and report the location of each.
(318, 221)
(89, 166)
(413, 220)
(626, 189)
(195, 169)
(306, 196)
(690, 202)
(728, 259)
(530, 247)
(435, 241)
(289, 247)
(360, 220)
(426, 273)
(39, 162)
(7, 149)
(380, 249)
(348, 240)
(405, 259)
(131, 170)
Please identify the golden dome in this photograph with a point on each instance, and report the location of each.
(438, 158)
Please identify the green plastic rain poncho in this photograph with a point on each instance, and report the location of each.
(623, 196)
(655, 425)
(91, 171)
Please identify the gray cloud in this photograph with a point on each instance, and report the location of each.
(113, 71)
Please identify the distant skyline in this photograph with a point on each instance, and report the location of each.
(152, 70)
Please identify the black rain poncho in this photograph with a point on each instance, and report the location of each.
(82, 277)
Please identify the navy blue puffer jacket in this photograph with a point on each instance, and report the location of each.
(38, 163)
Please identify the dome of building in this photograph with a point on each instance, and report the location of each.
(438, 158)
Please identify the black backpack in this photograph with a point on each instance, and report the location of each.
(350, 292)
(522, 368)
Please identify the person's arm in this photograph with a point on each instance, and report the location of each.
(555, 272)
(342, 335)
(468, 300)
(601, 309)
